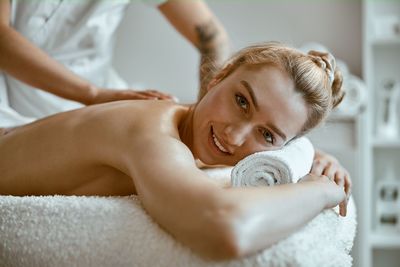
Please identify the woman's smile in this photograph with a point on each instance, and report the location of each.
(216, 144)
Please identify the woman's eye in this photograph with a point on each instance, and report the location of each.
(242, 102)
(269, 138)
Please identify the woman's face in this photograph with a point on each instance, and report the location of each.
(253, 109)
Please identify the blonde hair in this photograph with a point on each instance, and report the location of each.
(314, 74)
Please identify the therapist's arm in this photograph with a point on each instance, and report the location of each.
(196, 22)
(27, 63)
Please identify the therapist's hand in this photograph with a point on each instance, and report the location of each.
(325, 164)
(102, 95)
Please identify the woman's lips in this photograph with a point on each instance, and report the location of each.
(217, 144)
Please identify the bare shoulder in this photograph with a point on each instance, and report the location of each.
(116, 137)
(122, 127)
(125, 117)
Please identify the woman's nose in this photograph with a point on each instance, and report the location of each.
(236, 135)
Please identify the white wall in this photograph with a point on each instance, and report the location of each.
(150, 53)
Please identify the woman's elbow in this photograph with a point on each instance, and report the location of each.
(232, 247)
(223, 246)
(222, 237)
(234, 242)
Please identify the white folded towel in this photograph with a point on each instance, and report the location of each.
(268, 168)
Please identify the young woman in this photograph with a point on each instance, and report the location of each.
(265, 96)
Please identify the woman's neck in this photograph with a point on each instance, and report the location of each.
(185, 127)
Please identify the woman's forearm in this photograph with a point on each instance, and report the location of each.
(269, 214)
(24, 61)
(219, 223)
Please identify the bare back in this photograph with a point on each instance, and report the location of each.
(78, 152)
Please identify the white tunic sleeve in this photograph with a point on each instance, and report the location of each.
(78, 34)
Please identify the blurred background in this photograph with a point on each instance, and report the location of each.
(151, 51)
(363, 34)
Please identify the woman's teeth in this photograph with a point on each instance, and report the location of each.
(218, 144)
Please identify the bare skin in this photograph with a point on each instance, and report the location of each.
(90, 151)
(79, 169)
(112, 149)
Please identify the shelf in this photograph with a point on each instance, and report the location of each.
(381, 143)
(381, 61)
(386, 41)
(389, 240)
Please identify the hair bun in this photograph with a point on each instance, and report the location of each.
(326, 61)
(337, 89)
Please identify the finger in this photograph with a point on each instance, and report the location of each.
(343, 208)
(140, 96)
(135, 95)
(347, 185)
(339, 179)
(343, 204)
(150, 94)
(160, 95)
(158, 92)
(330, 171)
(317, 168)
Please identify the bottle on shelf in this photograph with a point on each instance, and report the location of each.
(388, 201)
(387, 119)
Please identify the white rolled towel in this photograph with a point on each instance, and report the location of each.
(268, 168)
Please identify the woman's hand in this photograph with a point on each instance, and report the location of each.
(334, 194)
(102, 95)
(325, 164)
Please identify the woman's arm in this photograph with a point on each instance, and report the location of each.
(26, 62)
(196, 22)
(215, 222)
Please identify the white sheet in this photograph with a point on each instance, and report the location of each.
(116, 231)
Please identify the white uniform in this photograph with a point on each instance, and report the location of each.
(78, 34)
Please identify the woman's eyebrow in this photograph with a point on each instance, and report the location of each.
(254, 100)
(277, 131)
(251, 92)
